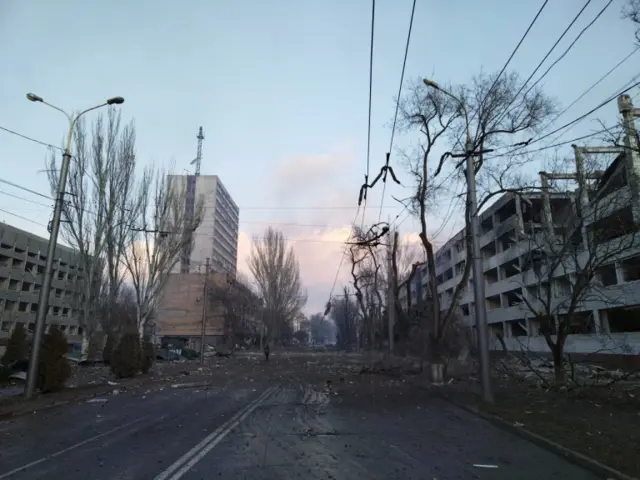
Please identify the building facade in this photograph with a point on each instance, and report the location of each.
(22, 266)
(181, 309)
(607, 319)
(216, 237)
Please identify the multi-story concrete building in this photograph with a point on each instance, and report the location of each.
(607, 319)
(216, 237)
(22, 265)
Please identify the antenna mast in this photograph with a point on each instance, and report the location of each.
(198, 159)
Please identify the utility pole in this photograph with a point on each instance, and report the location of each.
(204, 310)
(629, 114)
(391, 297)
(43, 300)
(479, 296)
(346, 316)
(261, 323)
(478, 268)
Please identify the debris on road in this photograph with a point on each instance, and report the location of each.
(97, 400)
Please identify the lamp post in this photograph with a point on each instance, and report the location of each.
(478, 271)
(43, 301)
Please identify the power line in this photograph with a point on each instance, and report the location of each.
(344, 253)
(20, 187)
(395, 116)
(373, 18)
(568, 124)
(513, 99)
(625, 88)
(24, 199)
(273, 208)
(292, 224)
(13, 132)
(504, 67)
(366, 175)
(569, 47)
(22, 218)
(598, 82)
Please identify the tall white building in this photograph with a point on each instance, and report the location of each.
(216, 237)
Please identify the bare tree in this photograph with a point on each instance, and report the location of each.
(571, 261)
(497, 107)
(240, 307)
(98, 210)
(345, 315)
(160, 232)
(369, 279)
(631, 11)
(321, 329)
(276, 271)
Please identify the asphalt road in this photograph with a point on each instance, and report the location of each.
(269, 432)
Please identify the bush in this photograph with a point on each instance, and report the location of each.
(17, 348)
(148, 355)
(53, 369)
(190, 354)
(125, 360)
(5, 374)
(109, 347)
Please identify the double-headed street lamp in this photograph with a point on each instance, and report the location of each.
(43, 301)
(478, 271)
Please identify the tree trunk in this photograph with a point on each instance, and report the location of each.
(558, 365)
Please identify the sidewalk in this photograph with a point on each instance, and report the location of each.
(598, 423)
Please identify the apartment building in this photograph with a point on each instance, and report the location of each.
(22, 265)
(216, 237)
(608, 319)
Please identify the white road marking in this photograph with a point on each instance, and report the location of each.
(72, 447)
(193, 456)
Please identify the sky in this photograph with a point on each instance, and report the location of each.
(281, 88)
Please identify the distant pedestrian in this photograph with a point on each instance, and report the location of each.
(266, 352)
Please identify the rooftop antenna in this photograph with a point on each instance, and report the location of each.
(198, 160)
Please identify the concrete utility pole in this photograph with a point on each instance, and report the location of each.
(629, 114)
(204, 310)
(391, 297)
(479, 296)
(346, 312)
(43, 300)
(261, 323)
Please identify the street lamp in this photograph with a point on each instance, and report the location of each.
(43, 301)
(478, 271)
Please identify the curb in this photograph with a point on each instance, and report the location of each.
(191, 385)
(25, 409)
(574, 457)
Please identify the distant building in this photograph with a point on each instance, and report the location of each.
(181, 306)
(216, 237)
(22, 266)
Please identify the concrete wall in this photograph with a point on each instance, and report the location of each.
(180, 306)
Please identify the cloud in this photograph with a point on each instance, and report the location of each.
(304, 176)
(317, 182)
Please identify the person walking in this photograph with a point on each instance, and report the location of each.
(266, 352)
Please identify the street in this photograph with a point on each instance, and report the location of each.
(265, 429)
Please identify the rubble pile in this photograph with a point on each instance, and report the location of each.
(537, 369)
